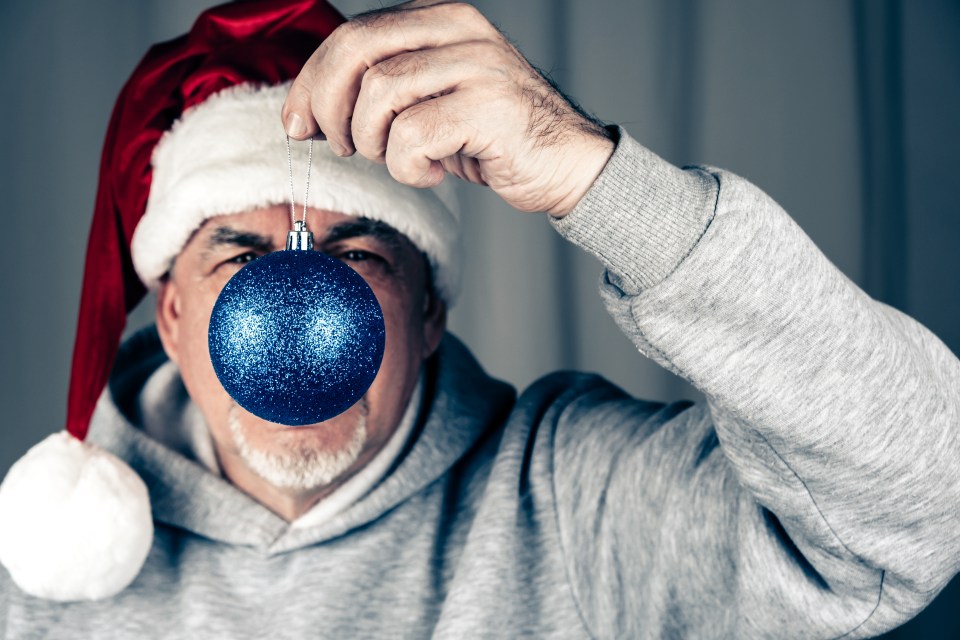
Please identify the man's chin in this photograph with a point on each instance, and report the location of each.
(299, 458)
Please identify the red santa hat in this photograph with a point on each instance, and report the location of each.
(195, 133)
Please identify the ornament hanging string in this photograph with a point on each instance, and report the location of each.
(306, 189)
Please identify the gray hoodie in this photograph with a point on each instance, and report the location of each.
(813, 495)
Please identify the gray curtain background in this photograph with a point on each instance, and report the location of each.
(846, 111)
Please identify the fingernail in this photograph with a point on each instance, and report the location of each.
(296, 127)
(337, 148)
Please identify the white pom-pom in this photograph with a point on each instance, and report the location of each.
(75, 521)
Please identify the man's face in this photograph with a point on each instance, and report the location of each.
(301, 459)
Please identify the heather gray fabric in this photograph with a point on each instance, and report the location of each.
(813, 496)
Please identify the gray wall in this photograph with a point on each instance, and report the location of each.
(844, 111)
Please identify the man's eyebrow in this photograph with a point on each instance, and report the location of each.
(364, 227)
(234, 237)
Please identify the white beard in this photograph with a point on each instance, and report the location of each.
(302, 469)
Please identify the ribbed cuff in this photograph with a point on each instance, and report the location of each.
(642, 216)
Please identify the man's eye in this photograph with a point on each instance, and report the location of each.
(357, 255)
(366, 263)
(243, 258)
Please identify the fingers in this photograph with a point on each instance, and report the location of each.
(424, 135)
(324, 93)
(432, 87)
(400, 82)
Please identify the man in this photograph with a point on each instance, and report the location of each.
(812, 495)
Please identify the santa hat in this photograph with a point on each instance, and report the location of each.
(195, 133)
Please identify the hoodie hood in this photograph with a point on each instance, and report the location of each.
(460, 403)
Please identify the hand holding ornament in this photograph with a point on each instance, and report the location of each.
(430, 88)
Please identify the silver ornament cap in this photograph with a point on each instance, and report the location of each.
(299, 239)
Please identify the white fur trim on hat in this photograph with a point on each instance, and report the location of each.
(228, 155)
(76, 521)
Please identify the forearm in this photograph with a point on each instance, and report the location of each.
(837, 413)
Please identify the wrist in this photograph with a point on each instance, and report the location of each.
(586, 160)
(642, 216)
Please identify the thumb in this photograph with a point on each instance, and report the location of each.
(297, 116)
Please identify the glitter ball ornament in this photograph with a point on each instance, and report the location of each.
(296, 337)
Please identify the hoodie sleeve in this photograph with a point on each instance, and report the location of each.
(829, 508)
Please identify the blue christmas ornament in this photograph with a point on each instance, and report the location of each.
(296, 337)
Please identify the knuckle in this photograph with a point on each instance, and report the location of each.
(491, 53)
(410, 172)
(346, 32)
(398, 65)
(388, 75)
(418, 125)
(367, 140)
(373, 84)
(402, 165)
(405, 130)
(376, 19)
(346, 42)
(464, 12)
(380, 76)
